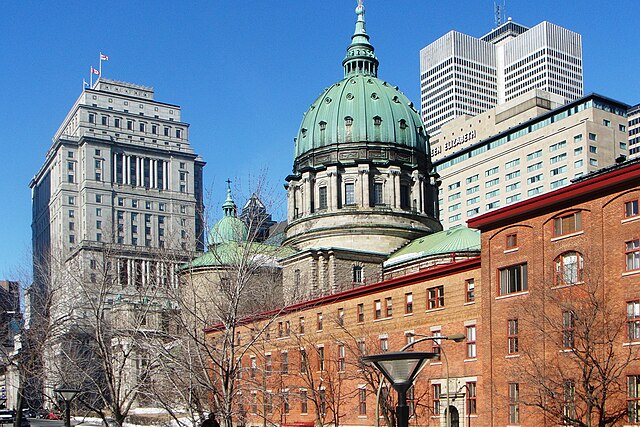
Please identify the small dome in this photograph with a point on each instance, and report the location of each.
(229, 228)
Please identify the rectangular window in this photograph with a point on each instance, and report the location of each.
(593, 162)
(253, 367)
(513, 279)
(471, 342)
(322, 197)
(514, 403)
(470, 287)
(268, 367)
(362, 401)
(472, 394)
(303, 402)
(494, 193)
(578, 164)
(471, 179)
(340, 317)
(512, 187)
(513, 199)
(304, 361)
(320, 359)
(568, 400)
(567, 224)
(577, 138)
(511, 164)
(472, 212)
(377, 310)
(356, 273)
(178, 133)
(473, 200)
(492, 171)
(632, 255)
(559, 170)
(493, 205)
(454, 196)
(408, 303)
(437, 391)
(92, 118)
(557, 146)
(577, 151)
(349, 193)
(631, 209)
(633, 320)
(435, 297)
(384, 344)
(512, 336)
(454, 207)
(342, 355)
(284, 362)
(593, 137)
(534, 155)
(534, 178)
(512, 241)
(435, 343)
(568, 329)
(116, 122)
(301, 325)
(534, 167)
(559, 158)
(473, 189)
(362, 346)
(512, 175)
(492, 182)
(388, 306)
(319, 324)
(377, 194)
(129, 125)
(633, 398)
(454, 218)
(360, 312)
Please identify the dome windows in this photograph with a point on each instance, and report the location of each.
(402, 123)
(377, 120)
(323, 125)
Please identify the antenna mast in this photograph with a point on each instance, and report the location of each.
(499, 11)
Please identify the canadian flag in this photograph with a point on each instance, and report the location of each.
(94, 71)
(104, 57)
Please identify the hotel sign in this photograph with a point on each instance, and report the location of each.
(469, 136)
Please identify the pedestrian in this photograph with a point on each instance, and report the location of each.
(211, 421)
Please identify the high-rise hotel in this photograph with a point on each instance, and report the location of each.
(464, 75)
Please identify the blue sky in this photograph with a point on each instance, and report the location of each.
(244, 72)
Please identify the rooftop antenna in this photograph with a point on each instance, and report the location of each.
(500, 11)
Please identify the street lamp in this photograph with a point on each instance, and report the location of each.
(454, 338)
(67, 394)
(400, 369)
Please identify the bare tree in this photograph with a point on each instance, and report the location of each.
(237, 277)
(574, 361)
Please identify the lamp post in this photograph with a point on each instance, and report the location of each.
(400, 369)
(67, 394)
(454, 338)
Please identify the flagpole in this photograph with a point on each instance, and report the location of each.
(100, 75)
(91, 77)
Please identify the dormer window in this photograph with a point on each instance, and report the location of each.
(348, 121)
(403, 124)
(303, 131)
(377, 120)
(323, 125)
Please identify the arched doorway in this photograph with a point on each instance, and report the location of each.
(454, 417)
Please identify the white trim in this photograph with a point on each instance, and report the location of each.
(513, 294)
(566, 236)
(630, 344)
(436, 328)
(431, 310)
(631, 273)
(630, 219)
(512, 356)
(471, 322)
(508, 251)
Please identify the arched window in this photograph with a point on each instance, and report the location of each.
(568, 269)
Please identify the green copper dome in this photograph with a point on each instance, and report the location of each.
(229, 228)
(361, 108)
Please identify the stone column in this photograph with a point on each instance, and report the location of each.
(114, 169)
(131, 272)
(394, 197)
(417, 191)
(308, 191)
(291, 202)
(334, 191)
(365, 198)
(126, 168)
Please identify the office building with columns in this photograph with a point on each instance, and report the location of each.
(117, 204)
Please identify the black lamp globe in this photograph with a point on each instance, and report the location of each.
(400, 369)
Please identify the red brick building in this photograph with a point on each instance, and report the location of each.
(561, 305)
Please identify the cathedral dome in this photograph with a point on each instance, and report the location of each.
(360, 109)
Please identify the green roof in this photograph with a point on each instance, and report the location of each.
(231, 253)
(456, 239)
(361, 108)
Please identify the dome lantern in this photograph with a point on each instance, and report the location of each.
(361, 58)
